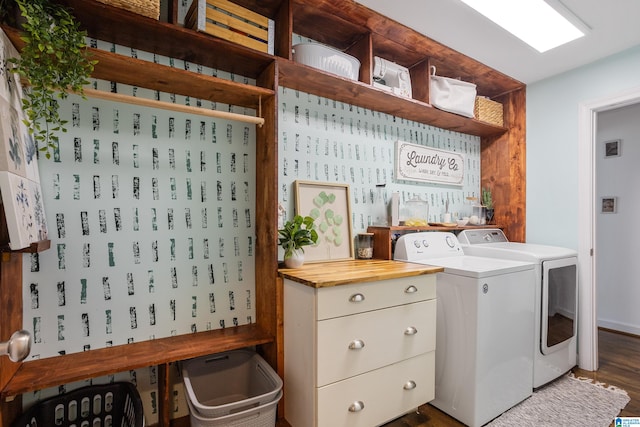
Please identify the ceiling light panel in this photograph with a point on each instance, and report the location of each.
(533, 21)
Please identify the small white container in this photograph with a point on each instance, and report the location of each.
(327, 59)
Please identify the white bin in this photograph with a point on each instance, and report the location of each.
(259, 416)
(228, 383)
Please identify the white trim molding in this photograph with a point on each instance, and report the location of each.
(587, 300)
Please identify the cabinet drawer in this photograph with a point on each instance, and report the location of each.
(385, 394)
(351, 345)
(360, 297)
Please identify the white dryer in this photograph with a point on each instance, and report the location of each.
(556, 296)
(484, 327)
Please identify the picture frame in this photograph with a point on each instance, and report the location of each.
(330, 206)
(608, 204)
(612, 148)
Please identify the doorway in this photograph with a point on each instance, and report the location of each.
(587, 204)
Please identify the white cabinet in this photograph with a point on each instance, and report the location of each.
(359, 354)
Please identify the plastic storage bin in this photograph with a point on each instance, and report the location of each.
(106, 405)
(259, 416)
(228, 383)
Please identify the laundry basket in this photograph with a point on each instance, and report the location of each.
(230, 382)
(258, 416)
(106, 405)
(234, 388)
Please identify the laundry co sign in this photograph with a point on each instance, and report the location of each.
(425, 164)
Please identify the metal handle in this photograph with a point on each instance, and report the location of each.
(356, 298)
(18, 346)
(411, 290)
(411, 330)
(356, 406)
(356, 345)
(409, 385)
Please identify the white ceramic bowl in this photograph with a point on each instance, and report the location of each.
(327, 59)
(462, 222)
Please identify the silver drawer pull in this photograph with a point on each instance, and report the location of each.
(411, 290)
(411, 330)
(409, 385)
(356, 345)
(356, 298)
(356, 406)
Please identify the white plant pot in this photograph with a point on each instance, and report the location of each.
(296, 260)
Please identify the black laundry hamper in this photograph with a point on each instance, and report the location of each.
(103, 405)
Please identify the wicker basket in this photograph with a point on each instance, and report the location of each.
(149, 8)
(488, 111)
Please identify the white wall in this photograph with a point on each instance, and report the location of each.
(552, 142)
(617, 234)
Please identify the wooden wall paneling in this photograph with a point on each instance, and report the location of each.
(284, 30)
(420, 81)
(266, 246)
(325, 26)
(503, 167)
(164, 391)
(172, 11)
(9, 411)
(363, 51)
(10, 321)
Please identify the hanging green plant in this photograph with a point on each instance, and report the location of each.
(54, 61)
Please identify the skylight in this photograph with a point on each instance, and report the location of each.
(533, 21)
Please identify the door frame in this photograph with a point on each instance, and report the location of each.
(587, 145)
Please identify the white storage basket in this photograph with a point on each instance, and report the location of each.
(260, 416)
(227, 383)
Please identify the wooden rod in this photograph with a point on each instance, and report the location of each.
(128, 99)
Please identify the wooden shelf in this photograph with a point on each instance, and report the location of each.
(122, 27)
(136, 72)
(50, 372)
(342, 23)
(383, 237)
(35, 247)
(408, 228)
(308, 79)
(115, 25)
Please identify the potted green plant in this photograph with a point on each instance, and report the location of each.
(487, 202)
(296, 234)
(53, 61)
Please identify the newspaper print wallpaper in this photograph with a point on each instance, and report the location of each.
(325, 140)
(151, 217)
(329, 141)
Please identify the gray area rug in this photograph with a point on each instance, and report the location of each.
(567, 402)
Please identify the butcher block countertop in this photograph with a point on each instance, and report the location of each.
(327, 274)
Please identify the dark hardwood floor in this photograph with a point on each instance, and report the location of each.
(619, 365)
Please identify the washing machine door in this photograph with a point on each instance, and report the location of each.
(559, 303)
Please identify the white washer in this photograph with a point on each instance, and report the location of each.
(556, 296)
(484, 327)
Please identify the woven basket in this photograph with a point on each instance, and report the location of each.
(488, 111)
(149, 8)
